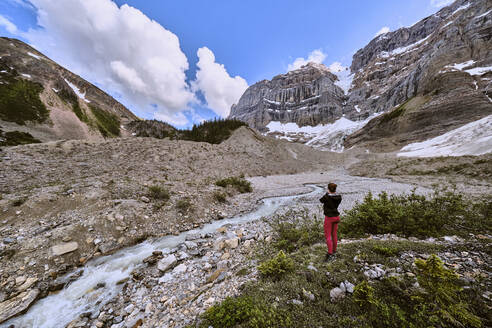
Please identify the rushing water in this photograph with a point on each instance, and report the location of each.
(83, 295)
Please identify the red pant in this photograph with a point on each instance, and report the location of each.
(331, 226)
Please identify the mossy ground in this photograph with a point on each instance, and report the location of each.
(19, 99)
(108, 124)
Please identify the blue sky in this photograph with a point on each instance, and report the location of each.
(253, 40)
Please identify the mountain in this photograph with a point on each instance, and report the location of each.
(306, 96)
(405, 86)
(41, 99)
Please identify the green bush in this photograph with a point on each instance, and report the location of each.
(158, 193)
(296, 229)
(406, 215)
(20, 102)
(242, 185)
(244, 312)
(184, 205)
(220, 197)
(107, 123)
(277, 266)
(14, 138)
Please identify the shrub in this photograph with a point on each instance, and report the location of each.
(14, 138)
(19, 202)
(158, 193)
(107, 123)
(246, 312)
(277, 266)
(184, 205)
(296, 229)
(220, 197)
(407, 215)
(242, 185)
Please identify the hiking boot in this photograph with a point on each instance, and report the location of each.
(329, 257)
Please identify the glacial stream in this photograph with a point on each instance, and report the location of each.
(98, 282)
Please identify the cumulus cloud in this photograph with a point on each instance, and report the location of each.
(119, 48)
(383, 30)
(441, 3)
(316, 56)
(220, 90)
(8, 25)
(337, 67)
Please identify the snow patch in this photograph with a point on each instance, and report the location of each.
(484, 14)
(333, 135)
(461, 8)
(26, 75)
(357, 108)
(409, 48)
(474, 138)
(55, 90)
(479, 70)
(34, 55)
(77, 91)
(448, 23)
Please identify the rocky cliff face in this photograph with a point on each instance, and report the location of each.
(429, 78)
(307, 96)
(40, 98)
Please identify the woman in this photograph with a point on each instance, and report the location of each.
(330, 201)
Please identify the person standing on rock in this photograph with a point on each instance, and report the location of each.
(330, 201)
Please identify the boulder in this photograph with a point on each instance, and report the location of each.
(167, 263)
(17, 304)
(64, 248)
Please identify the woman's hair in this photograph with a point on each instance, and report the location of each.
(332, 187)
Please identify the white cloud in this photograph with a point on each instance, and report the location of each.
(316, 56)
(337, 67)
(221, 90)
(9, 26)
(383, 30)
(441, 3)
(119, 48)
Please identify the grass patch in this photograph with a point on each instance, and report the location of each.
(14, 138)
(296, 229)
(108, 124)
(443, 212)
(244, 312)
(240, 184)
(438, 301)
(158, 193)
(395, 113)
(19, 100)
(220, 197)
(184, 206)
(71, 98)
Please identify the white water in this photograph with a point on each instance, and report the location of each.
(83, 295)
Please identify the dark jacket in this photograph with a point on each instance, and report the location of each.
(330, 204)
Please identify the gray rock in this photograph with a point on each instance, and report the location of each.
(64, 248)
(336, 294)
(167, 263)
(17, 304)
